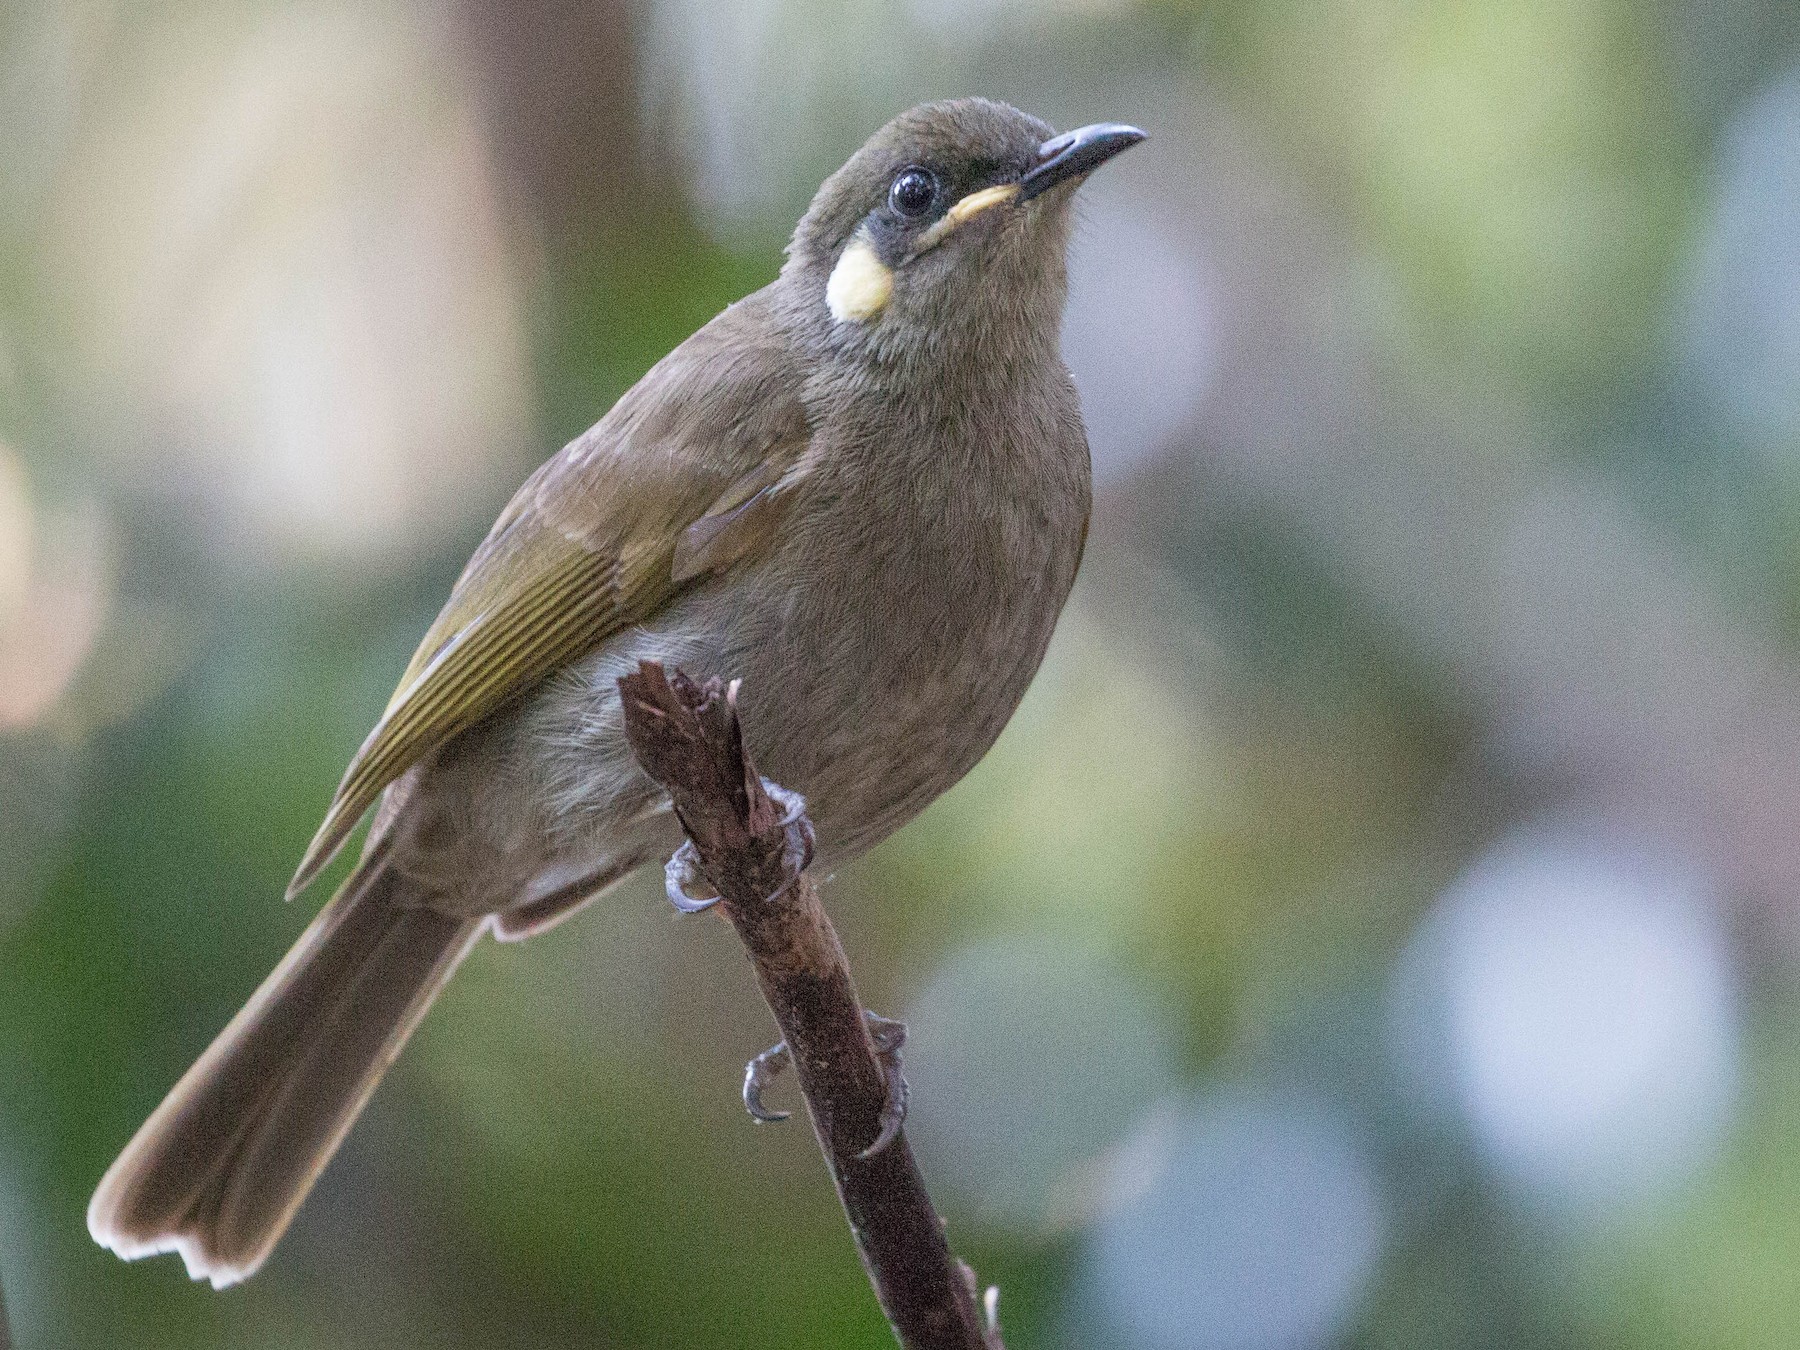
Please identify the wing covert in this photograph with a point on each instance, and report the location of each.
(588, 546)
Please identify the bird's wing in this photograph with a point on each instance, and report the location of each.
(687, 475)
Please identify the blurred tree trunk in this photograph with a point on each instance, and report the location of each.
(559, 86)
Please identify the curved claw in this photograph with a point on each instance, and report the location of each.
(758, 1074)
(689, 890)
(888, 1036)
(797, 847)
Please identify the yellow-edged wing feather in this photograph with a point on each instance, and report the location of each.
(589, 546)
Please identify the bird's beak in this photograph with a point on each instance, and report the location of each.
(1075, 153)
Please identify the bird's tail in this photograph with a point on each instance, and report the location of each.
(218, 1170)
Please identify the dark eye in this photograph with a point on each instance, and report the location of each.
(913, 192)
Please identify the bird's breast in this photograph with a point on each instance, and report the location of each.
(912, 607)
(883, 642)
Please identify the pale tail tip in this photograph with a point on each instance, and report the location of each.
(201, 1265)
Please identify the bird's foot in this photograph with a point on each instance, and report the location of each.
(689, 890)
(797, 831)
(886, 1034)
(687, 885)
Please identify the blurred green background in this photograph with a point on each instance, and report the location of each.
(1380, 926)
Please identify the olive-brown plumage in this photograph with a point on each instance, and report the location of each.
(864, 490)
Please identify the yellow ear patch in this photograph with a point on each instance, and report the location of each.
(860, 284)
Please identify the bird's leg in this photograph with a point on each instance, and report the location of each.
(689, 890)
(758, 1074)
(887, 1035)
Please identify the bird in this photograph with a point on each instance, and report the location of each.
(863, 491)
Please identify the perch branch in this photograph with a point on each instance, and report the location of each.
(687, 738)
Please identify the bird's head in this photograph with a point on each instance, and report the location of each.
(952, 219)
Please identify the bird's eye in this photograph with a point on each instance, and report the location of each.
(913, 192)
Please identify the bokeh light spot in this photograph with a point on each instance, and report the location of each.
(1572, 999)
(1259, 1231)
(1029, 1060)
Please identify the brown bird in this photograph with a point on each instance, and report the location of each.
(863, 489)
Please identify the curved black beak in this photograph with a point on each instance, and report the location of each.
(1075, 153)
